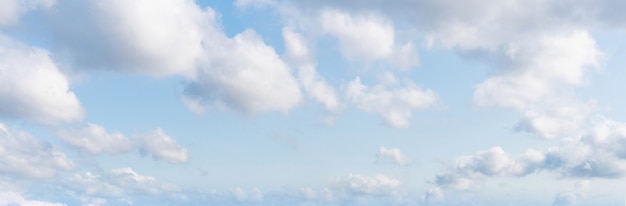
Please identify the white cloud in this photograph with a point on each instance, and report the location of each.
(297, 48)
(394, 154)
(299, 54)
(24, 155)
(94, 139)
(598, 153)
(395, 105)
(17, 199)
(161, 37)
(541, 72)
(32, 87)
(466, 170)
(367, 37)
(120, 183)
(12, 10)
(378, 185)
(245, 74)
(539, 68)
(177, 37)
(162, 147)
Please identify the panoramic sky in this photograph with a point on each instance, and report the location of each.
(325, 102)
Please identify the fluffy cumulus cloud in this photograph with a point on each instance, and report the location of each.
(394, 103)
(176, 37)
(537, 63)
(393, 154)
(14, 198)
(540, 72)
(32, 87)
(94, 139)
(23, 155)
(367, 37)
(12, 10)
(245, 74)
(149, 37)
(161, 146)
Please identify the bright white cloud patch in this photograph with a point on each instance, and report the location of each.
(395, 105)
(161, 37)
(245, 74)
(94, 139)
(367, 37)
(32, 87)
(540, 71)
(393, 154)
(162, 147)
(21, 154)
(17, 199)
(299, 54)
(12, 10)
(177, 37)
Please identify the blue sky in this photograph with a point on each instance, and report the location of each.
(276, 102)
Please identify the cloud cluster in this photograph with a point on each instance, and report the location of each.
(378, 185)
(367, 37)
(300, 56)
(394, 103)
(598, 153)
(94, 139)
(23, 155)
(176, 37)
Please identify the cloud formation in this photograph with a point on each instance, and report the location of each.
(161, 146)
(23, 155)
(33, 88)
(94, 139)
(367, 37)
(299, 54)
(121, 184)
(378, 185)
(244, 74)
(394, 103)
